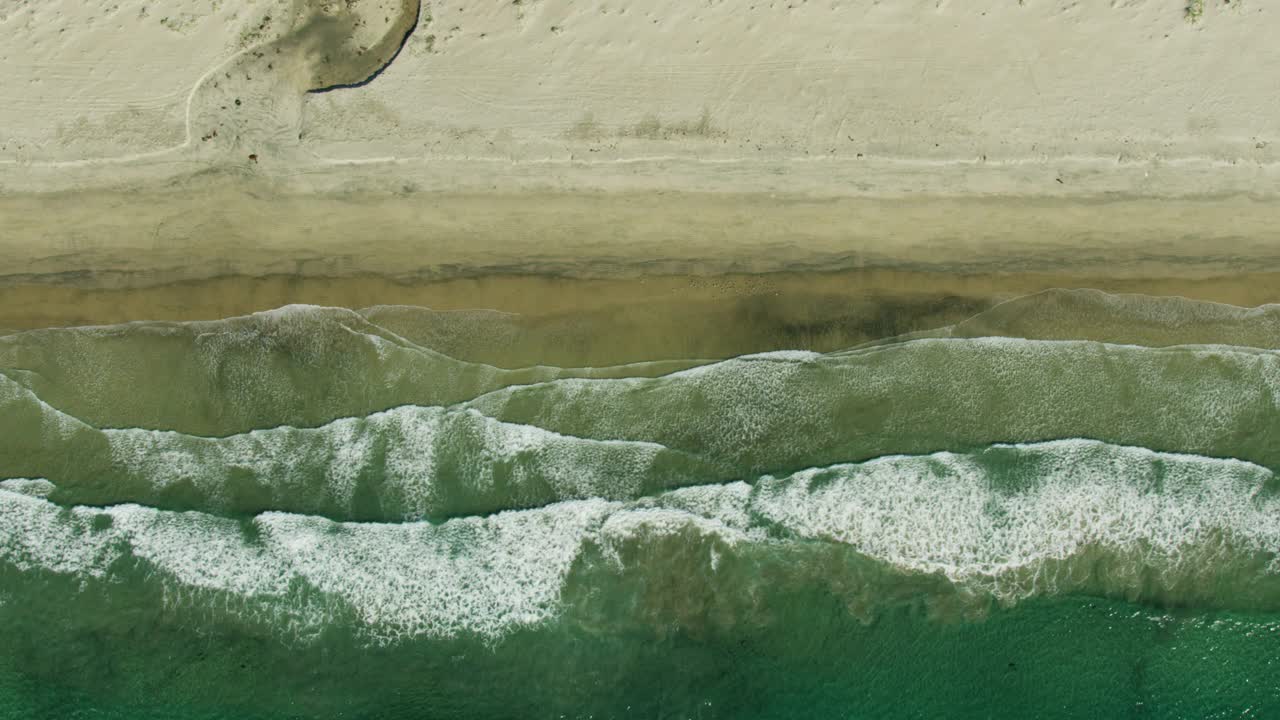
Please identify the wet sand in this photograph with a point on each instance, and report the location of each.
(226, 226)
(601, 277)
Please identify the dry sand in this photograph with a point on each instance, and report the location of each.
(169, 160)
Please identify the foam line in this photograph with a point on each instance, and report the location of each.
(1005, 523)
(777, 411)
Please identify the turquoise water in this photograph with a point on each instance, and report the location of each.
(1064, 507)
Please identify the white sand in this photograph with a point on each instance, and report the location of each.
(983, 148)
(832, 98)
(90, 80)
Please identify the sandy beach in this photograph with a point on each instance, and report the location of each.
(547, 157)
(742, 360)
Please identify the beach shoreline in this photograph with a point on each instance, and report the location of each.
(552, 160)
(221, 246)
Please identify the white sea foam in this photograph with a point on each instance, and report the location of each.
(35, 535)
(922, 395)
(728, 504)
(403, 448)
(482, 576)
(633, 525)
(729, 406)
(35, 487)
(485, 576)
(1001, 522)
(947, 513)
(783, 355)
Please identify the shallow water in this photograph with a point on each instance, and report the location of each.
(1064, 506)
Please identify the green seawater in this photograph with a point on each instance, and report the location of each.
(1066, 506)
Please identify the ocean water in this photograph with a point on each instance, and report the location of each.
(1065, 506)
